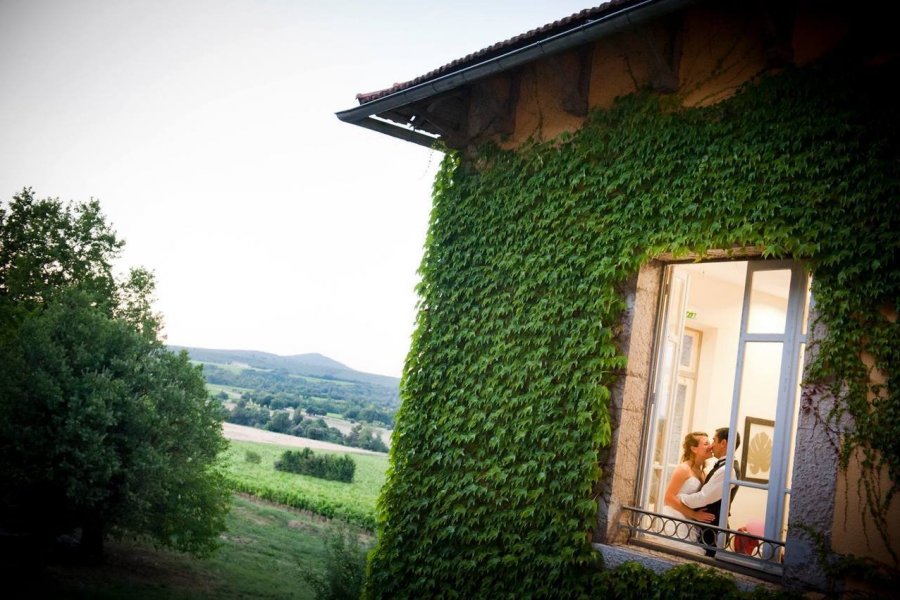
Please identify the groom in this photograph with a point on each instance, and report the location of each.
(709, 496)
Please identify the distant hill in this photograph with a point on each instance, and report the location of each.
(294, 394)
(309, 365)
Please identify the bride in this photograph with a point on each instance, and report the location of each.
(687, 479)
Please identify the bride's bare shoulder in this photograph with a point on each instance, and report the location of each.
(680, 473)
(684, 467)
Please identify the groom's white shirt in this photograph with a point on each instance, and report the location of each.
(709, 493)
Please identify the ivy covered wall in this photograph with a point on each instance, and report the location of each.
(506, 387)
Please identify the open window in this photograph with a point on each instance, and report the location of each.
(729, 353)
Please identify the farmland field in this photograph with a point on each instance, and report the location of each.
(242, 433)
(353, 502)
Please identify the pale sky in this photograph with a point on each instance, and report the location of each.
(207, 131)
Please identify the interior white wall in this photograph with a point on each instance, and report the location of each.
(717, 305)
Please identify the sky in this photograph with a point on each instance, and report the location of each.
(206, 130)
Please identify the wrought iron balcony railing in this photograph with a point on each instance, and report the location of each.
(730, 545)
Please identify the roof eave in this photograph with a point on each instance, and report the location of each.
(366, 114)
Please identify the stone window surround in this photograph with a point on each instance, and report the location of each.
(815, 466)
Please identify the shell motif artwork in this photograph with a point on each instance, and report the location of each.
(759, 458)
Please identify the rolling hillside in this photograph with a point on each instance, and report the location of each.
(302, 380)
(310, 365)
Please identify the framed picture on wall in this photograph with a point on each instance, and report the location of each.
(756, 457)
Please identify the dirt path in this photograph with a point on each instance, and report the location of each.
(251, 434)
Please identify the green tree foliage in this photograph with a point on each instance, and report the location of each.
(363, 436)
(372, 414)
(101, 428)
(280, 422)
(318, 429)
(279, 388)
(506, 388)
(253, 415)
(323, 466)
(248, 414)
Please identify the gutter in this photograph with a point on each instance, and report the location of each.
(365, 115)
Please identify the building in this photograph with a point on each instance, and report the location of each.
(710, 282)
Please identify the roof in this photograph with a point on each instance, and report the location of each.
(407, 110)
(503, 47)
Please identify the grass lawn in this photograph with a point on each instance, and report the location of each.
(354, 501)
(264, 554)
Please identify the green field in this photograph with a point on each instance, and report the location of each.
(320, 380)
(353, 502)
(264, 555)
(235, 368)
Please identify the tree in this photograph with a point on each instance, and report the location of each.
(102, 429)
(317, 429)
(363, 436)
(280, 422)
(250, 415)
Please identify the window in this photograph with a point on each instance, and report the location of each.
(729, 354)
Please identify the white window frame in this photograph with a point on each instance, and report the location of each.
(793, 337)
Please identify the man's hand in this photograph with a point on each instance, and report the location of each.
(703, 516)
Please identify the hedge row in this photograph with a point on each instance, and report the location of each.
(323, 466)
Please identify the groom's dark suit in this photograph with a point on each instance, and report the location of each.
(709, 497)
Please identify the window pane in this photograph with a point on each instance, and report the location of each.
(758, 399)
(687, 351)
(748, 510)
(654, 491)
(768, 301)
(797, 390)
(676, 306)
(760, 378)
(664, 390)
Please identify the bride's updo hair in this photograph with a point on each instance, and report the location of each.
(691, 440)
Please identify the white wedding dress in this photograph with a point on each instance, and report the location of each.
(680, 531)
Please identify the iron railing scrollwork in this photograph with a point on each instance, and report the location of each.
(731, 545)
